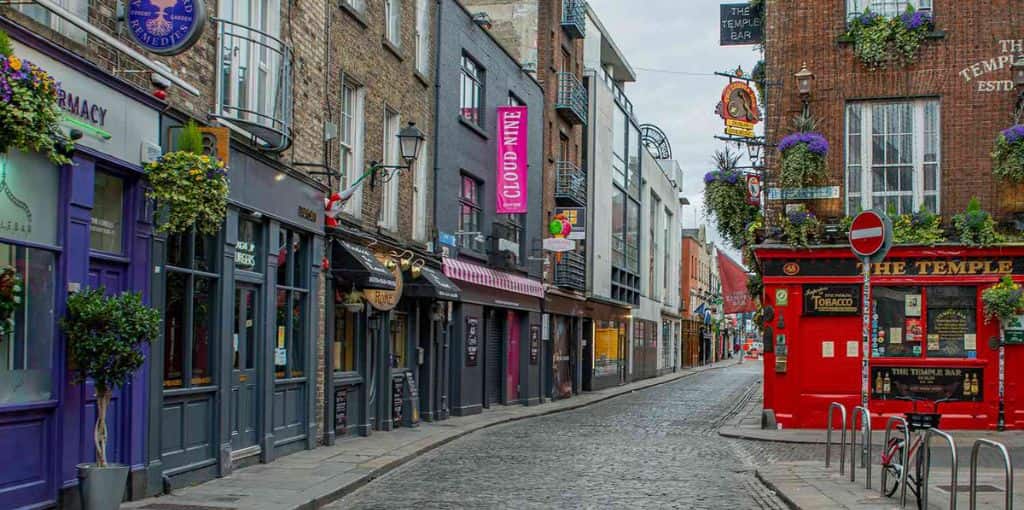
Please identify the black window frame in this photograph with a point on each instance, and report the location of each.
(471, 72)
(468, 240)
(296, 288)
(190, 270)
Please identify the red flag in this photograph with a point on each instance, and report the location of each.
(735, 298)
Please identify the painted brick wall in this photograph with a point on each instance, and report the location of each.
(957, 68)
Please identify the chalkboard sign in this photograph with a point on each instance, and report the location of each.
(534, 344)
(412, 400)
(741, 24)
(397, 399)
(341, 410)
(472, 341)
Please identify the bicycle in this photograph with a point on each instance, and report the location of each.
(892, 454)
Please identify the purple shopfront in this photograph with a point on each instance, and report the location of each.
(63, 229)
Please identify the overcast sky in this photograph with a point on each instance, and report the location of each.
(680, 36)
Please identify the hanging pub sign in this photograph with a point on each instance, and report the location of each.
(739, 109)
(754, 189)
(384, 300)
(577, 217)
(928, 383)
(166, 27)
(831, 300)
(741, 24)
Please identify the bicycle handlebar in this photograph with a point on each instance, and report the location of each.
(935, 403)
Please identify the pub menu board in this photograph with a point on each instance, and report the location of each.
(951, 330)
(928, 383)
(534, 344)
(341, 410)
(413, 395)
(397, 385)
(472, 341)
(832, 299)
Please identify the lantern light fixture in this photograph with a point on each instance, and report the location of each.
(410, 143)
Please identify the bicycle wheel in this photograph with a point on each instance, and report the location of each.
(918, 473)
(893, 467)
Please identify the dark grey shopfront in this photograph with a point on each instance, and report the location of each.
(234, 381)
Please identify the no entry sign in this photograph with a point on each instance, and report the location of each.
(867, 234)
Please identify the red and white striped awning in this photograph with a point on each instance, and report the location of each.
(487, 277)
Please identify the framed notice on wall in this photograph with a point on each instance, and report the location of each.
(534, 344)
(340, 410)
(472, 341)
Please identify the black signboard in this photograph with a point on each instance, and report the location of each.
(831, 299)
(741, 24)
(340, 410)
(397, 385)
(929, 383)
(534, 344)
(472, 341)
(411, 399)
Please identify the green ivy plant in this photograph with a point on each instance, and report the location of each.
(1002, 300)
(105, 335)
(800, 229)
(759, 76)
(921, 228)
(29, 114)
(192, 186)
(1008, 155)
(976, 227)
(725, 198)
(879, 41)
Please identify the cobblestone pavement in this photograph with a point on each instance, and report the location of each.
(657, 448)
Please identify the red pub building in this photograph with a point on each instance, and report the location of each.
(910, 133)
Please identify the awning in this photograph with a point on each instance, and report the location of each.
(358, 265)
(434, 285)
(479, 275)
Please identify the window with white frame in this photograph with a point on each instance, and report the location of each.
(358, 5)
(79, 8)
(667, 254)
(884, 7)
(472, 91)
(422, 37)
(419, 190)
(892, 156)
(389, 191)
(252, 60)
(392, 20)
(351, 142)
(652, 258)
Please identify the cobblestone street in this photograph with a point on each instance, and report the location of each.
(657, 448)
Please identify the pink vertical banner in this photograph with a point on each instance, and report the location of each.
(512, 138)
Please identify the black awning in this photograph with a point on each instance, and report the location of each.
(357, 265)
(432, 284)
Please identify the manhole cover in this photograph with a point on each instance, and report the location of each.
(963, 488)
(178, 506)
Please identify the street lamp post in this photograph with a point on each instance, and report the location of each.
(410, 141)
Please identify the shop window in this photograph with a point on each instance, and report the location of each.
(608, 339)
(291, 305)
(900, 328)
(27, 350)
(189, 311)
(399, 338)
(344, 341)
(892, 160)
(248, 255)
(472, 91)
(107, 225)
(952, 322)
(884, 7)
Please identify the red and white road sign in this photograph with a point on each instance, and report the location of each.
(867, 234)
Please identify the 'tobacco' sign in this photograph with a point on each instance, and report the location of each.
(512, 162)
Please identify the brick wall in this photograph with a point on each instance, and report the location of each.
(954, 67)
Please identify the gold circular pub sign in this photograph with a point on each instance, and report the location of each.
(385, 300)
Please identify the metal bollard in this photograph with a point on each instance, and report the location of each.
(928, 466)
(1007, 467)
(865, 421)
(903, 460)
(842, 440)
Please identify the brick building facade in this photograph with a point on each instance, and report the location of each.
(961, 74)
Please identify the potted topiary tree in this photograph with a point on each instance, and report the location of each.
(105, 335)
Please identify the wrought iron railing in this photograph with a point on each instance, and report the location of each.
(571, 271)
(254, 84)
(572, 98)
(571, 183)
(574, 18)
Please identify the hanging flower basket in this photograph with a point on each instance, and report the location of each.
(1008, 156)
(1002, 300)
(803, 159)
(725, 198)
(194, 190)
(12, 293)
(29, 114)
(879, 41)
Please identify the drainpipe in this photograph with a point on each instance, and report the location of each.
(437, 116)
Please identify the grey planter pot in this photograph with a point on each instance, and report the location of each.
(102, 488)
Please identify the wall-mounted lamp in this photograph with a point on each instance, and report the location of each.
(804, 77)
(1018, 82)
(410, 141)
(482, 20)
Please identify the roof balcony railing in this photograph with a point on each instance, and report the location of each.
(571, 272)
(574, 18)
(571, 103)
(254, 84)
(570, 184)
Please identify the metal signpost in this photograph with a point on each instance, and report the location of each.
(870, 239)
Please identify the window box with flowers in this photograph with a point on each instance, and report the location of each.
(190, 187)
(29, 114)
(880, 41)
